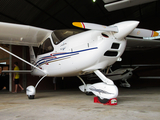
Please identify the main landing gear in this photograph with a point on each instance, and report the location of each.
(104, 91)
(124, 83)
(31, 90)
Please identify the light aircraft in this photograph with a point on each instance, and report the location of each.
(70, 52)
(121, 74)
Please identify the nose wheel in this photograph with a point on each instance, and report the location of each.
(103, 100)
(30, 96)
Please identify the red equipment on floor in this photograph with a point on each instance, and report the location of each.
(112, 101)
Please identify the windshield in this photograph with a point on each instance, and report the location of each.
(59, 35)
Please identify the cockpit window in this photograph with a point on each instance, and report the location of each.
(59, 35)
(45, 47)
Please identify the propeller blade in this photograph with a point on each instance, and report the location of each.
(138, 32)
(95, 26)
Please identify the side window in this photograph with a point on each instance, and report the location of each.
(45, 47)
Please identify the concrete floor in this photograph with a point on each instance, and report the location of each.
(133, 104)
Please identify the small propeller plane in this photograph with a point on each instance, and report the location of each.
(76, 52)
(121, 74)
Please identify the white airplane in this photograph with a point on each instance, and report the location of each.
(67, 52)
(121, 74)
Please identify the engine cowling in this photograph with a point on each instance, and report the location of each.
(124, 28)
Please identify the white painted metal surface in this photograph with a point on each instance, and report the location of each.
(74, 55)
(22, 34)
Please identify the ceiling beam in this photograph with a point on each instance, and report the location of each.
(51, 16)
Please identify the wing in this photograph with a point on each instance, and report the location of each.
(141, 44)
(22, 34)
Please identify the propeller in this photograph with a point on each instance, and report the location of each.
(95, 26)
(138, 32)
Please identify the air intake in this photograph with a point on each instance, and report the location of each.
(111, 53)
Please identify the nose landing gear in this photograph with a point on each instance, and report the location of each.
(105, 91)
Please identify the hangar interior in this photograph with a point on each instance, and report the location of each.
(59, 14)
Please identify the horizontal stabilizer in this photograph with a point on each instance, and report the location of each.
(15, 71)
(138, 32)
(95, 26)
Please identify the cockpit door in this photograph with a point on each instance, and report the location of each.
(46, 47)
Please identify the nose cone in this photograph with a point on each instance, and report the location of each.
(124, 28)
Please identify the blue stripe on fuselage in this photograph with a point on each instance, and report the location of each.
(55, 56)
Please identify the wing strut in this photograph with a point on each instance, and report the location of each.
(22, 60)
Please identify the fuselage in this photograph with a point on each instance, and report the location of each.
(79, 54)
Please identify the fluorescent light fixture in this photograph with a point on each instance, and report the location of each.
(4, 63)
(116, 5)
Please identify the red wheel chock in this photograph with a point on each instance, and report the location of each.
(112, 101)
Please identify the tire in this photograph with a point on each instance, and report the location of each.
(89, 93)
(103, 100)
(30, 96)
